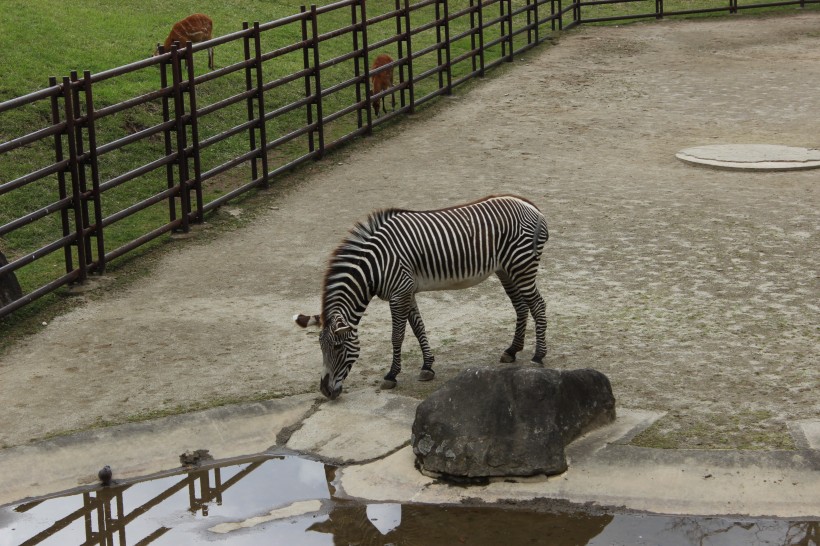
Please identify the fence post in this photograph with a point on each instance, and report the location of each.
(169, 149)
(532, 22)
(317, 78)
(78, 141)
(400, 47)
(61, 182)
(357, 70)
(658, 9)
(194, 121)
(76, 193)
(260, 100)
(560, 15)
(306, 65)
(246, 44)
(511, 56)
(443, 22)
(366, 58)
(481, 57)
(95, 172)
(409, 41)
(182, 154)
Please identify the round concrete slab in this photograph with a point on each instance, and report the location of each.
(752, 157)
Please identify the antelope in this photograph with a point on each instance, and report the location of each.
(382, 82)
(194, 28)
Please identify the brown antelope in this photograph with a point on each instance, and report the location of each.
(382, 82)
(194, 28)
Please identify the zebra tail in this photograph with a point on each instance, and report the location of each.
(307, 320)
(541, 226)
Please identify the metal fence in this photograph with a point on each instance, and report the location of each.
(279, 101)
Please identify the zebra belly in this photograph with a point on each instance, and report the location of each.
(428, 284)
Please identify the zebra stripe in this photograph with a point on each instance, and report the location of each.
(395, 254)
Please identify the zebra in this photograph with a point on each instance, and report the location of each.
(397, 253)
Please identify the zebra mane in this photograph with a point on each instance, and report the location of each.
(351, 245)
(362, 231)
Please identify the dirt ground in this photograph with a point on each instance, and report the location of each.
(694, 290)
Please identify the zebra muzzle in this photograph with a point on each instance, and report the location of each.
(324, 386)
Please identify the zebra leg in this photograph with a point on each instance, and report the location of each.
(417, 325)
(399, 310)
(539, 313)
(521, 311)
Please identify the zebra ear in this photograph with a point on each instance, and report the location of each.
(307, 320)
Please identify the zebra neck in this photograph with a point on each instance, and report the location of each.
(346, 294)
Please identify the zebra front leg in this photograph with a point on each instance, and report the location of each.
(399, 310)
(539, 313)
(521, 312)
(417, 325)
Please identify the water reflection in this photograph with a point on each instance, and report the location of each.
(430, 525)
(290, 501)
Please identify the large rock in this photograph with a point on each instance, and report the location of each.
(508, 421)
(9, 287)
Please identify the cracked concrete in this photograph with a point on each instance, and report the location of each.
(367, 434)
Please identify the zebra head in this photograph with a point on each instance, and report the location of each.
(340, 349)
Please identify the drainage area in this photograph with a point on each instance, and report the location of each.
(288, 500)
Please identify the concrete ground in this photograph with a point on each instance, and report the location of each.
(377, 464)
(694, 290)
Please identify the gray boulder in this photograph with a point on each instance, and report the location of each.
(9, 287)
(508, 421)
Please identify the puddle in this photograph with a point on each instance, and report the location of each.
(290, 501)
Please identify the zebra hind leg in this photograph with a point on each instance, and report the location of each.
(414, 317)
(521, 313)
(539, 313)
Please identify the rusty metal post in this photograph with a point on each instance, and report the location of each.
(169, 149)
(366, 59)
(61, 181)
(74, 166)
(194, 122)
(447, 51)
(182, 154)
(78, 132)
(95, 172)
(511, 55)
(357, 70)
(246, 44)
(534, 34)
(260, 100)
(400, 47)
(306, 65)
(409, 41)
(477, 28)
(317, 79)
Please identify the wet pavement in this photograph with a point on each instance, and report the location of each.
(366, 434)
(287, 500)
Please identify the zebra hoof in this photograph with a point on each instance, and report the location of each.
(426, 375)
(387, 384)
(538, 361)
(506, 357)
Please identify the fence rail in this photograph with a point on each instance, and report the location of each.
(286, 118)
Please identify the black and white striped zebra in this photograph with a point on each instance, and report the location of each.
(396, 253)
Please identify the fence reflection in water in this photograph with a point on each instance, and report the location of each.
(289, 500)
(150, 509)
